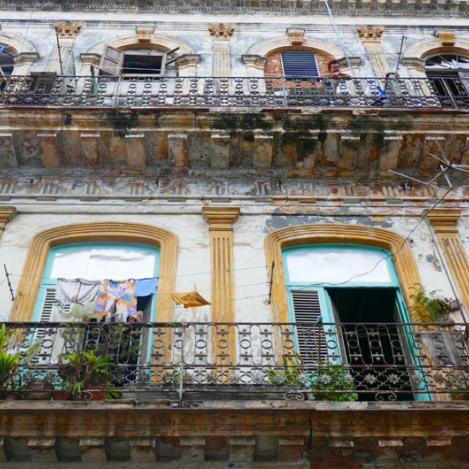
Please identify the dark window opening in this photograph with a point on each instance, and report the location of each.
(373, 342)
(449, 76)
(142, 64)
(6, 60)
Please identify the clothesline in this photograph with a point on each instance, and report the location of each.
(192, 274)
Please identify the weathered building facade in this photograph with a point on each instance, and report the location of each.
(213, 147)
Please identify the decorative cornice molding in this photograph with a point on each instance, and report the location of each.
(299, 7)
(188, 60)
(67, 29)
(221, 30)
(25, 57)
(370, 34)
(221, 218)
(91, 59)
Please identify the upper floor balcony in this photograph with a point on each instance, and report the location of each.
(294, 361)
(436, 93)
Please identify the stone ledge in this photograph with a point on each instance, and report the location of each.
(350, 7)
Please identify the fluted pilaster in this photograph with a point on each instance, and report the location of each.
(221, 220)
(444, 221)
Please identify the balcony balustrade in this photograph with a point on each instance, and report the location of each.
(235, 92)
(327, 361)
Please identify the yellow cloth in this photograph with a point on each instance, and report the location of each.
(190, 299)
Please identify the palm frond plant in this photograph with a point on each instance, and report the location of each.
(86, 375)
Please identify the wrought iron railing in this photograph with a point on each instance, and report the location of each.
(233, 92)
(353, 361)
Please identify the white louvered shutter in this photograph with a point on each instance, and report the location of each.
(309, 327)
(51, 339)
(111, 61)
(299, 64)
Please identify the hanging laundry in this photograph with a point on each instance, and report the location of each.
(76, 290)
(190, 299)
(118, 293)
(146, 286)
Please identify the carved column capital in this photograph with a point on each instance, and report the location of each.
(220, 218)
(445, 220)
(221, 30)
(370, 34)
(91, 59)
(7, 213)
(67, 29)
(255, 61)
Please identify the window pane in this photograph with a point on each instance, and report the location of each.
(113, 262)
(299, 64)
(334, 265)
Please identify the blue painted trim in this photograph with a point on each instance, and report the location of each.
(326, 303)
(47, 282)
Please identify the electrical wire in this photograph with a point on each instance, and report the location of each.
(389, 256)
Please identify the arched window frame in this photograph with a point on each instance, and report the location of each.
(38, 252)
(275, 242)
(47, 282)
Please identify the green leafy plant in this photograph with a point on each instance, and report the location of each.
(328, 382)
(83, 371)
(428, 307)
(331, 383)
(9, 363)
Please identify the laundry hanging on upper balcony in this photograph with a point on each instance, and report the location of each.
(76, 291)
(114, 300)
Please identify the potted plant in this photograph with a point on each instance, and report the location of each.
(9, 363)
(328, 382)
(430, 307)
(86, 376)
(38, 387)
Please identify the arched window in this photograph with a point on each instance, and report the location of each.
(96, 263)
(6, 59)
(296, 62)
(449, 74)
(349, 309)
(136, 60)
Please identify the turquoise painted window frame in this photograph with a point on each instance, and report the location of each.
(47, 282)
(326, 303)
